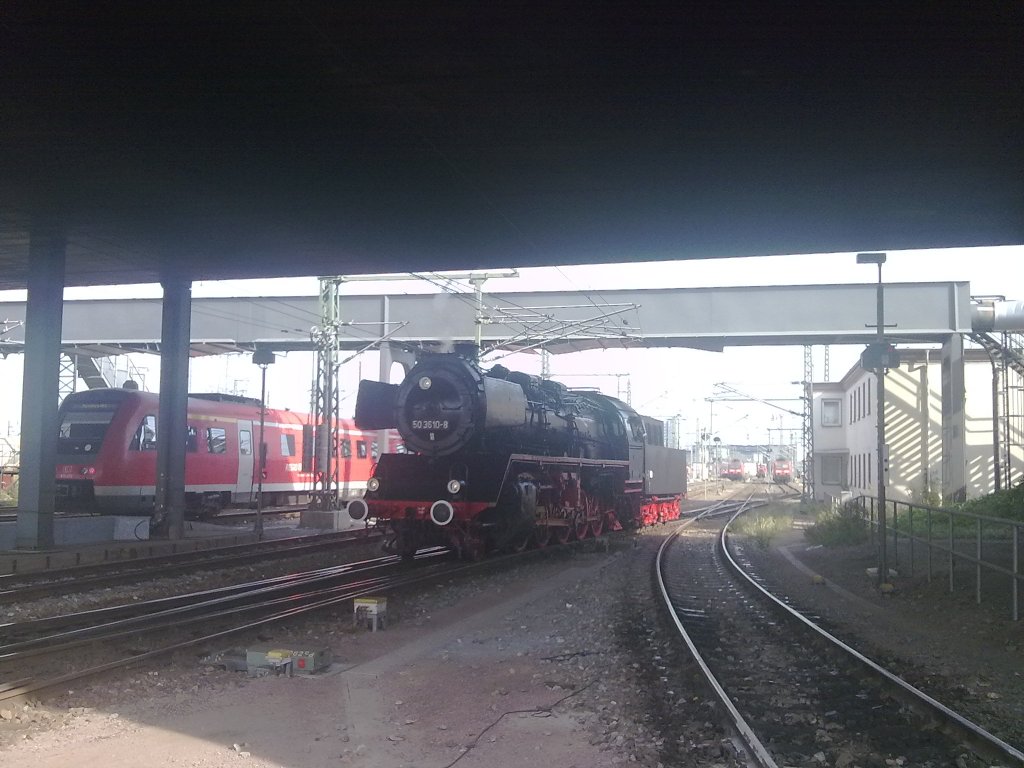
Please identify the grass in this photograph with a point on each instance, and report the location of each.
(764, 528)
(838, 528)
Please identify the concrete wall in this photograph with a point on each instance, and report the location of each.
(86, 530)
(913, 418)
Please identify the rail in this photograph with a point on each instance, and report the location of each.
(996, 542)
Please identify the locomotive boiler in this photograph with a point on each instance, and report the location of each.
(500, 459)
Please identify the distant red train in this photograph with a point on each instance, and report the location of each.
(106, 453)
(735, 469)
(782, 470)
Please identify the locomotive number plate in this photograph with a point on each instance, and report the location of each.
(430, 423)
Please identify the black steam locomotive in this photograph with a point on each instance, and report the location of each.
(500, 459)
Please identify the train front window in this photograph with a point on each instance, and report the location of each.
(83, 427)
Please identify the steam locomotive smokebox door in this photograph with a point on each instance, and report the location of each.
(375, 405)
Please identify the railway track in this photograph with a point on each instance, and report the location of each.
(796, 695)
(218, 613)
(20, 587)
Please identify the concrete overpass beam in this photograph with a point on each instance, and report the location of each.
(43, 319)
(172, 432)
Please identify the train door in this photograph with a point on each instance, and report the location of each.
(246, 463)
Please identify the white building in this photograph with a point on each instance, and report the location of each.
(845, 441)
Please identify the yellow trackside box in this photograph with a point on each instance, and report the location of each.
(370, 612)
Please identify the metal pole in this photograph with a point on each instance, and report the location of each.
(883, 568)
(262, 454)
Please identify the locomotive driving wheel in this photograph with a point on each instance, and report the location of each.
(580, 525)
(542, 535)
(597, 526)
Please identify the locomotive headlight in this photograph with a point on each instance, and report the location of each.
(425, 383)
(373, 484)
(454, 486)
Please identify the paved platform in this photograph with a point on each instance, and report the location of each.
(198, 536)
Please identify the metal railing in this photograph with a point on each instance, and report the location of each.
(986, 543)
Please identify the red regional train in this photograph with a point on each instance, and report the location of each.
(106, 453)
(782, 470)
(735, 469)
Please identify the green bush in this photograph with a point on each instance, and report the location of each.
(1008, 504)
(763, 528)
(838, 528)
(9, 495)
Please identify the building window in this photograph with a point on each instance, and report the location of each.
(832, 470)
(287, 445)
(216, 440)
(831, 413)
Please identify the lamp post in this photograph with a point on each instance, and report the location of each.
(880, 363)
(262, 358)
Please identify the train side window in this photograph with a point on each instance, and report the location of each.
(361, 449)
(245, 442)
(287, 445)
(346, 449)
(145, 435)
(216, 440)
(192, 440)
(374, 450)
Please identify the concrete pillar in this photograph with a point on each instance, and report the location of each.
(954, 425)
(172, 428)
(43, 318)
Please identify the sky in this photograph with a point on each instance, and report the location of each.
(662, 383)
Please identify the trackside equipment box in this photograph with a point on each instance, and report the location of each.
(370, 611)
(268, 660)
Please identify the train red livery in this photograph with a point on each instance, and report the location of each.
(106, 453)
(782, 470)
